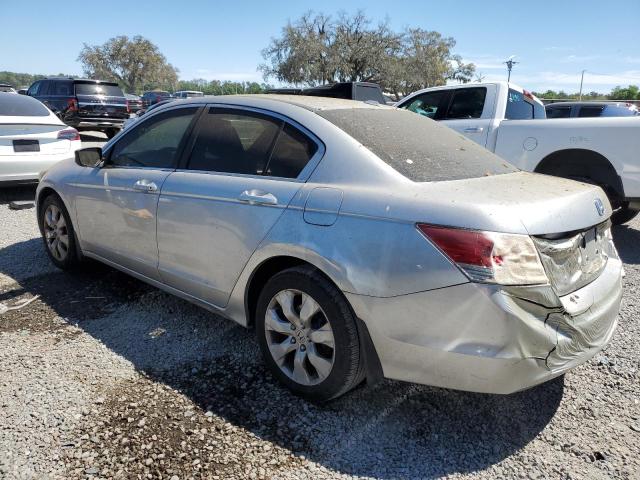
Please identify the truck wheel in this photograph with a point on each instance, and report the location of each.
(624, 214)
(308, 335)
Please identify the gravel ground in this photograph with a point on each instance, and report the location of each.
(104, 377)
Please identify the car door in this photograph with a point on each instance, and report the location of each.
(243, 170)
(116, 205)
(470, 112)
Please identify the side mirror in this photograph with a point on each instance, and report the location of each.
(89, 157)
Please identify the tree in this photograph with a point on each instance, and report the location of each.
(316, 49)
(629, 93)
(134, 63)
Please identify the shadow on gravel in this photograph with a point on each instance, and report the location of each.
(22, 192)
(627, 241)
(392, 430)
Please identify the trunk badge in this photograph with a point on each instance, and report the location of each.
(599, 206)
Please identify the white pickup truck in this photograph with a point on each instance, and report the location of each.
(511, 122)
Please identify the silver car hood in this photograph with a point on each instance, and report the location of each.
(521, 202)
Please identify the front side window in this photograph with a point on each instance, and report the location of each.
(467, 103)
(154, 143)
(427, 104)
(518, 108)
(34, 89)
(558, 112)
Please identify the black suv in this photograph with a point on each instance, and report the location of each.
(363, 91)
(84, 104)
(154, 96)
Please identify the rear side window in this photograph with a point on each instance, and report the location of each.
(558, 112)
(518, 108)
(428, 104)
(418, 148)
(21, 106)
(61, 88)
(291, 154)
(98, 89)
(591, 111)
(617, 111)
(467, 103)
(154, 143)
(233, 141)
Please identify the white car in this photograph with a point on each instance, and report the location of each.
(510, 121)
(32, 139)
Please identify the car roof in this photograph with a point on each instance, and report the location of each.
(313, 104)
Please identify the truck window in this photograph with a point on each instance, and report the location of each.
(591, 111)
(368, 92)
(466, 103)
(558, 112)
(518, 107)
(428, 104)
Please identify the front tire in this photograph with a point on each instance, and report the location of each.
(308, 336)
(58, 233)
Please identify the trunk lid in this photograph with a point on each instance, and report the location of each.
(45, 135)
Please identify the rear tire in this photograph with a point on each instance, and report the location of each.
(624, 214)
(58, 234)
(315, 355)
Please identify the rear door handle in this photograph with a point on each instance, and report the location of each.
(144, 185)
(473, 130)
(258, 197)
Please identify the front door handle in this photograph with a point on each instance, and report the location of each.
(146, 186)
(258, 197)
(473, 130)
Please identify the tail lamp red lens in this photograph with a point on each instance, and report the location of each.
(69, 134)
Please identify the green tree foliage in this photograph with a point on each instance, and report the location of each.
(316, 49)
(135, 63)
(217, 87)
(632, 92)
(19, 80)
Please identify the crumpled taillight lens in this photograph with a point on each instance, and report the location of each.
(491, 257)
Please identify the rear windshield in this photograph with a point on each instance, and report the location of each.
(21, 106)
(98, 89)
(416, 146)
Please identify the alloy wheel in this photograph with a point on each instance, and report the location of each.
(56, 233)
(299, 337)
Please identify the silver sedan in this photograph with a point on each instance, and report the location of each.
(358, 241)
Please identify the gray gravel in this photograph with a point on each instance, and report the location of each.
(105, 377)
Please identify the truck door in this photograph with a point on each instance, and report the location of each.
(470, 111)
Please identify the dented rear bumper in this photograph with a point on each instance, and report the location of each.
(491, 339)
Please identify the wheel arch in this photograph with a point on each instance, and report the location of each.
(583, 163)
(275, 264)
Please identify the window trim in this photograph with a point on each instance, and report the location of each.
(108, 149)
(302, 177)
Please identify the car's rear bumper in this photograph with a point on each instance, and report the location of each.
(28, 168)
(490, 339)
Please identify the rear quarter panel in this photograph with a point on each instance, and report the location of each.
(525, 143)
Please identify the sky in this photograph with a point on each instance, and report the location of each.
(553, 41)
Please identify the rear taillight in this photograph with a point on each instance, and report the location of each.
(504, 258)
(72, 105)
(69, 134)
(128, 107)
